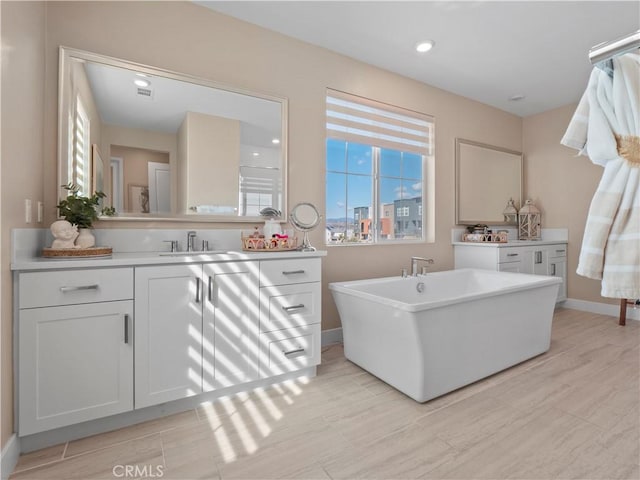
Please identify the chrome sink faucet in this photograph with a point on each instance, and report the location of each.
(191, 238)
(414, 265)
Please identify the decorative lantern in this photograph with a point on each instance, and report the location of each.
(510, 213)
(529, 221)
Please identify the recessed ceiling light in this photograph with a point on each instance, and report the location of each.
(517, 97)
(141, 82)
(275, 141)
(425, 46)
(255, 154)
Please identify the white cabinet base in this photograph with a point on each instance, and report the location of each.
(548, 258)
(75, 364)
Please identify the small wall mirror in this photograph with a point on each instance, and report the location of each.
(165, 145)
(487, 177)
(304, 218)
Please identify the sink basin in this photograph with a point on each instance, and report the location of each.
(191, 254)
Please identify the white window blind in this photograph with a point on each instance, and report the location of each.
(361, 120)
(82, 149)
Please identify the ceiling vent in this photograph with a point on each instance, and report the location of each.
(144, 92)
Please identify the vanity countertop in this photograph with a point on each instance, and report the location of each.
(510, 243)
(153, 258)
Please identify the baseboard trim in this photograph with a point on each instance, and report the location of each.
(600, 308)
(331, 336)
(9, 457)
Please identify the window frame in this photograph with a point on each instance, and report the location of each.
(426, 216)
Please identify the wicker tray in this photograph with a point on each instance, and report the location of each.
(252, 244)
(485, 237)
(90, 252)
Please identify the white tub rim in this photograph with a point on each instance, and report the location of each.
(533, 281)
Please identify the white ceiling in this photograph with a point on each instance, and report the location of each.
(486, 51)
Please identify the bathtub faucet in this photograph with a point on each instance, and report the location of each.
(414, 264)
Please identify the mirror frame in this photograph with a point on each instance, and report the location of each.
(517, 156)
(67, 55)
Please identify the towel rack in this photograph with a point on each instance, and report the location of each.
(624, 303)
(606, 50)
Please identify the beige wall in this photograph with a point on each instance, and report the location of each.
(23, 68)
(185, 37)
(561, 185)
(209, 155)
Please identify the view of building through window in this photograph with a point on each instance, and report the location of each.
(375, 171)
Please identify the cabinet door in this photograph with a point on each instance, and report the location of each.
(558, 268)
(75, 364)
(168, 335)
(230, 336)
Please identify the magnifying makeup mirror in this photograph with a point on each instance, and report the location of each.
(305, 217)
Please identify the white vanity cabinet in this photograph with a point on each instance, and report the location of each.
(94, 342)
(168, 333)
(75, 346)
(230, 328)
(196, 329)
(290, 304)
(548, 258)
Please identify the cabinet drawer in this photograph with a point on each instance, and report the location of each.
(68, 287)
(288, 306)
(557, 251)
(289, 350)
(510, 255)
(285, 272)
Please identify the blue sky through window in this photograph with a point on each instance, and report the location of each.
(349, 180)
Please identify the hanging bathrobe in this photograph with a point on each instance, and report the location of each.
(606, 127)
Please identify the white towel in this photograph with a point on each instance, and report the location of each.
(611, 242)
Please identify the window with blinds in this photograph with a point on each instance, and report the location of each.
(80, 169)
(378, 160)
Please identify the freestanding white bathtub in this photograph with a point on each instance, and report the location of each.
(465, 325)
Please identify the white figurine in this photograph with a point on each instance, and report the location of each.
(64, 234)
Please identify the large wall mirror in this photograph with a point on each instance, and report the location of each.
(164, 145)
(487, 177)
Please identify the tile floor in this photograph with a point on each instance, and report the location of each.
(572, 413)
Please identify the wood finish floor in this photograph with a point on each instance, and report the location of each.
(572, 413)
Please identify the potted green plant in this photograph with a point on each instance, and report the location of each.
(82, 211)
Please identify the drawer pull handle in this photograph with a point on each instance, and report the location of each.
(559, 251)
(293, 307)
(293, 352)
(293, 272)
(554, 269)
(126, 328)
(95, 286)
(512, 254)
